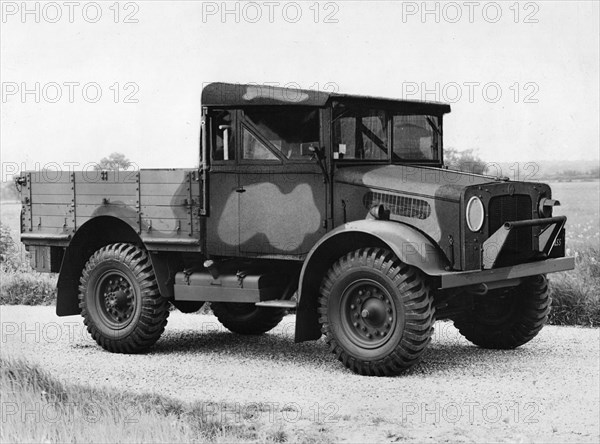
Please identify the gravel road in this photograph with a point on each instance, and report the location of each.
(545, 391)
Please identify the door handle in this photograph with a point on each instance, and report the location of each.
(240, 190)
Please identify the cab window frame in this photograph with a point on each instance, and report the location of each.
(246, 122)
(213, 133)
(440, 138)
(391, 110)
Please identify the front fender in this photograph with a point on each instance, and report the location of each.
(410, 245)
(407, 243)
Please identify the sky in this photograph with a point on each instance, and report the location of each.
(83, 79)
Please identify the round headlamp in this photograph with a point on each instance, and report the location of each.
(475, 214)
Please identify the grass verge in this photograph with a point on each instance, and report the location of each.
(27, 287)
(37, 407)
(576, 293)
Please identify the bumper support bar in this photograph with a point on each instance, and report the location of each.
(493, 246)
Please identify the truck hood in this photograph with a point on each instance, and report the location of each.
(431, 182)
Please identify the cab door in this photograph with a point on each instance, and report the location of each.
(282, 191)
(222, 225)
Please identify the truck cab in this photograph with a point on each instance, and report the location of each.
(338, 207)
(273, 157)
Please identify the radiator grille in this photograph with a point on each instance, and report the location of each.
(519, 245)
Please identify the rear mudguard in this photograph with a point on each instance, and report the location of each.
(91, 236)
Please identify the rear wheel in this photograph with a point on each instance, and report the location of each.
(509, 317)
(247, 319)
(119, 299)
(376, 312)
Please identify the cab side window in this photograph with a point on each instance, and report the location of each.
(254, 149)
(222, 134)
(360, 134)
(289, 132)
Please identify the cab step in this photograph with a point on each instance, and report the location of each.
(277, 304)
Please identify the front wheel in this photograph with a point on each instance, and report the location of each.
(508, 317)
(376, 312)
(119, 299)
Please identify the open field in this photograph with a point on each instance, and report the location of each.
(580, 202)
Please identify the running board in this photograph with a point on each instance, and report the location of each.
(277, 304)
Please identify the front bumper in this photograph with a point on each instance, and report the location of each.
(455, 279)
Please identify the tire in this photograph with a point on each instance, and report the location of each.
(188, 306)
(507, 318)
(119, 299)
(247, 319)
(376, 312)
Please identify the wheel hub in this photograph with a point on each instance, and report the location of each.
(369, 314)
(118, 297)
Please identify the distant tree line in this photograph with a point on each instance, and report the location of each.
(466, 160)
(571, 174)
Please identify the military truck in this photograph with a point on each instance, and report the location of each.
(337, 206)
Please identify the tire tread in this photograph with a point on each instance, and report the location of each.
(418, 305)
(154, 311)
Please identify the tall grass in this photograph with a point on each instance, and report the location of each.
(576, 293)
(19, 283)
(37, 407)
(27, 287)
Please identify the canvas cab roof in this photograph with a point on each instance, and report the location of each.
(236, 94)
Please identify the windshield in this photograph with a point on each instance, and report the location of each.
(361, 133)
